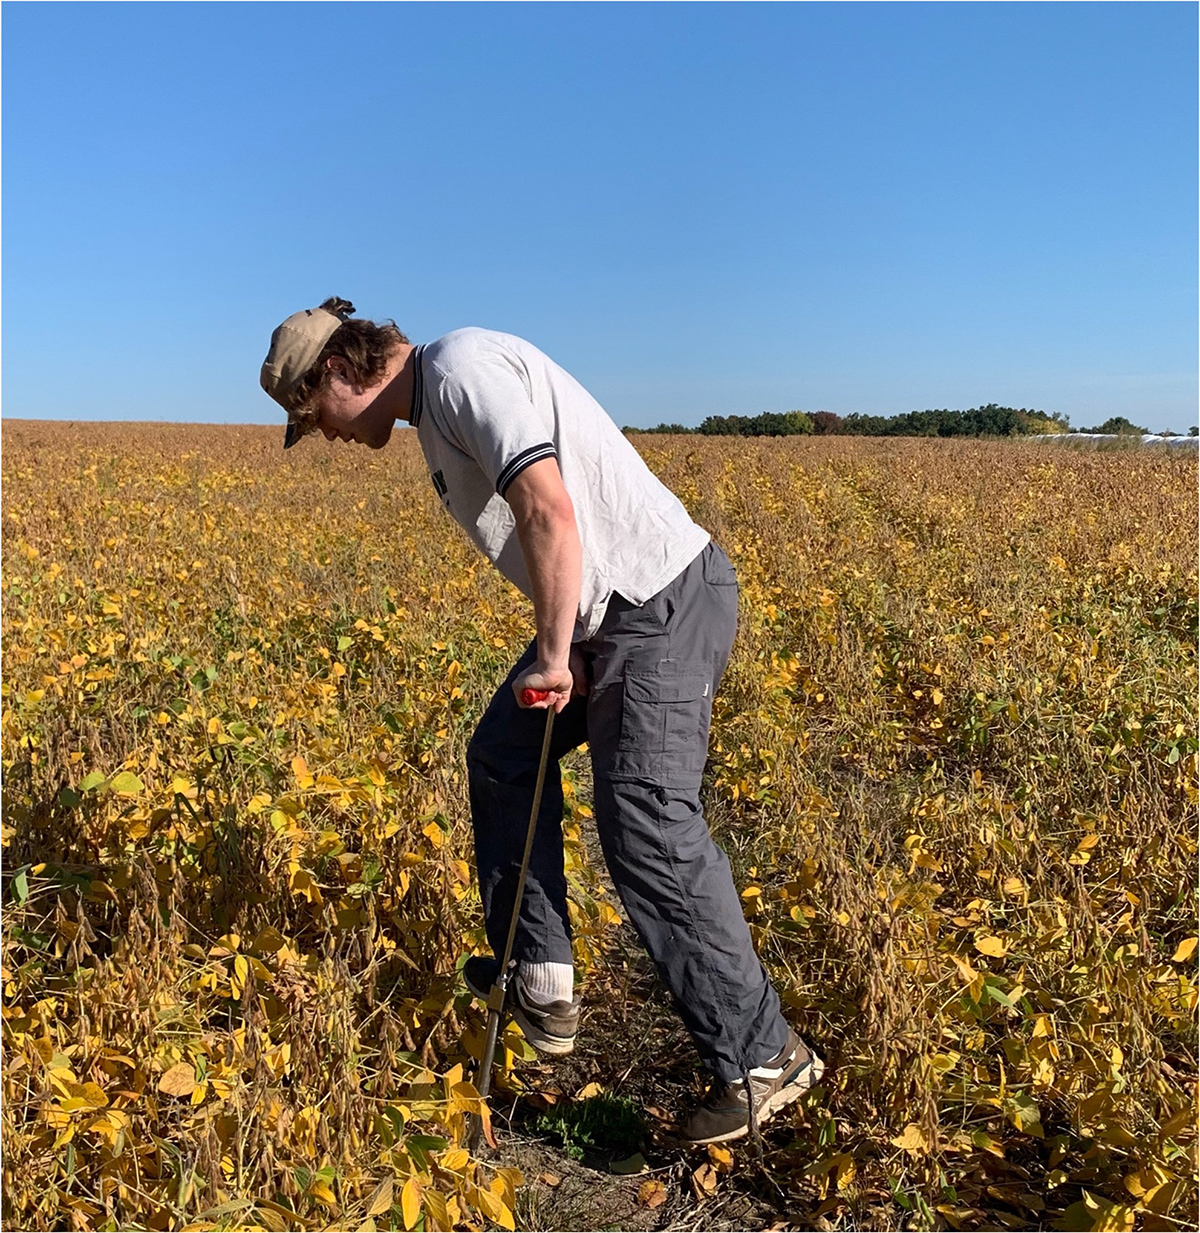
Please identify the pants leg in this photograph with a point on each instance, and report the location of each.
(656, 667)
(502, 765)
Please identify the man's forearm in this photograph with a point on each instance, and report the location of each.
(550, 541)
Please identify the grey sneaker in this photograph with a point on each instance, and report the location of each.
(726, 1113)
(549, 1027)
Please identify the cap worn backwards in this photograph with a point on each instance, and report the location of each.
(295, 346)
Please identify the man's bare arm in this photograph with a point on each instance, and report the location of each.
(549, 538)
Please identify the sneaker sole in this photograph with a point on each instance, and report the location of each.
(541, 1040)
(782, 1098)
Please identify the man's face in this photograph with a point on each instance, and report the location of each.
(349, 412)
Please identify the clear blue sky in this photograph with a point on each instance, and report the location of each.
(696, 208)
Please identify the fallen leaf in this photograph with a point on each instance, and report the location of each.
(721, 1158)
(588, 1091)
(652, 1193)
(704, 1181)
(550, 1179)
(631, 1164)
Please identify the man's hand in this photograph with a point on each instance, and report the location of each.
(552, 680)
(557, 681)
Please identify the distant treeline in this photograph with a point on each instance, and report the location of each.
(989, 421)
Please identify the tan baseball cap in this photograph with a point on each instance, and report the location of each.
(294, 349)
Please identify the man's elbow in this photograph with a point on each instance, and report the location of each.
(539, 499)
(552, 514)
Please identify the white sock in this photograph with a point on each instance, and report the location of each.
(548, 982)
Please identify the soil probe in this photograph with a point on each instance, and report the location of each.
(498, 992)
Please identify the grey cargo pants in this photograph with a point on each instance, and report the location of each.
(653, 669)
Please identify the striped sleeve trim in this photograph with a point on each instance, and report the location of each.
(526, 458)
(418, 402)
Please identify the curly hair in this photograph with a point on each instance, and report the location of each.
(366, 346)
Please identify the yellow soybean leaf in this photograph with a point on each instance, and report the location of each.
(846, 1172)
(971, 978)
(126, 784)
(437, 1212)
(1022, 1111)
(303, 883)
(321, 1192)
(487, 1203)
(410, 1202)
(383, 1198)
(1185, 950)
(180, 1080)
(94, 1094)
(508, 1180)
(268, 941)
(991, 946)
(1178, 1121)
(912, 1140)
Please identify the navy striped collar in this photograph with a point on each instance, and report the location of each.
(418, 387)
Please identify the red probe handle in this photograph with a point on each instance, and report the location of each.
(530, 696)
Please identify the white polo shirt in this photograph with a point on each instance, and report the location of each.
(488, 405)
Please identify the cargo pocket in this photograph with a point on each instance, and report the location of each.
(664, 725)
(718, 570)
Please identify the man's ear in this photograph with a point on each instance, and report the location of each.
(337, 366)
